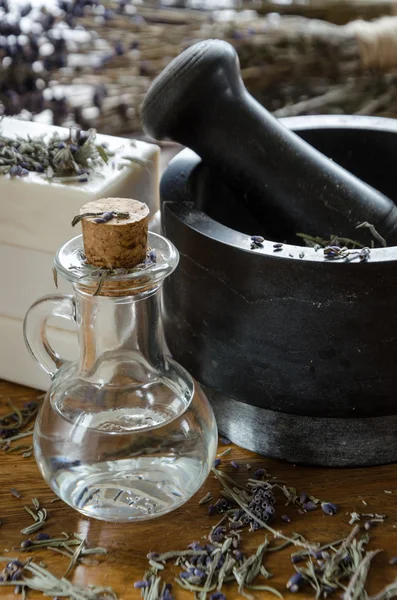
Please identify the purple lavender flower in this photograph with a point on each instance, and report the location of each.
(217, 596)
(257, 239)
(185, 575)
(234, 464)
(43, 536)
(329, 508)
(211, 510)
(107, 216)
(261, 505)
(238, 554)
(217, 462)
(259, 473)
(302, 497)
(224, 440)
(285, 518)
(309, 506)
(195, 546)
(297, 558)
(295, 582)
(141, 584)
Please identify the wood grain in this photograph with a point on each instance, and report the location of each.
(128, 544)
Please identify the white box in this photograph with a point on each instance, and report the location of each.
(36, 220)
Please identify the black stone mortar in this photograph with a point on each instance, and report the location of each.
(297, 353)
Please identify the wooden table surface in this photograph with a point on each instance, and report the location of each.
(128, 544)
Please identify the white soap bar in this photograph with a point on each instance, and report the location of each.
(18, 366)
(36, 213)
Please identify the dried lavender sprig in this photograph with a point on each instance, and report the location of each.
(357, 583)
(277, 534)
(39, 518)
(374, 232)
(207, 498)
(388, 592)
(74, 559)
(118, 215)
(44, 581)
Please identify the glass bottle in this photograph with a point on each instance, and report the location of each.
(124, 432)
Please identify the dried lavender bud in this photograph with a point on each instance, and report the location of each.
(238, 554)
(43, 536)
(211, 510)
(153, 255)
(185, 575)
(234, 464)
(309, 506)
(15, 493)
(107, 216)
(217, 462)
(224, 440)
(329, 508)
(26, 544)
(393, 560)
(302, 497)
(199, 573)
(17, 575)
(285, 518)
(15, 563)
(152, 555)
(295, 583)
(297, 558)
(257, 239)
(195, 546)
(277, 246)
(259, 473)
(369, 524)
(217, 596)
(141, 584)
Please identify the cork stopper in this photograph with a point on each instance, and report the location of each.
(120, 242)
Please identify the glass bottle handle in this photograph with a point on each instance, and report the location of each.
(35, 329)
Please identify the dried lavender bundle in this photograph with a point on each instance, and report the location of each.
(98, 73)
(32, 576)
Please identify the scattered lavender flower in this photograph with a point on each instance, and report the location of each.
(43, 536)
(217, 596)
(259, 473)
(141, 584)
(261, 505)
(107, 216)
(285, 518)
(295, 582)
(257, 239)
(211, 510)
(224, 440)
(310, 506)
(302, 497)
(329, 508)
(297, 558)
(217, 462)
(234, 464)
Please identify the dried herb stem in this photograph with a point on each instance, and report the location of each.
(356, 585)
(297, 541)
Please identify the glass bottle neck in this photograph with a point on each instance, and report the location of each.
(120, 338)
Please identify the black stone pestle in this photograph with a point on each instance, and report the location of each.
(200, 101)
